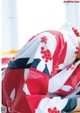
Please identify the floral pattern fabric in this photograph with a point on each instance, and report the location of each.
(43, 76)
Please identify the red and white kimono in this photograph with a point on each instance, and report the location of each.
(43, 75)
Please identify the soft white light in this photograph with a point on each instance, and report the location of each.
(38, 15)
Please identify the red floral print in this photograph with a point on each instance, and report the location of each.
(44, 39)
(76, 32)
(77, 50)
(46, 54)
(54, 110)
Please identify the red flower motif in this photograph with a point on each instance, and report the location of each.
(46, 54)
(44, 39)
(76, 32)
(77, 50)
(54, 110)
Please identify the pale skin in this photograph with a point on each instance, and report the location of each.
(78, 100)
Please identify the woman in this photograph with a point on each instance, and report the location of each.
(44, 77)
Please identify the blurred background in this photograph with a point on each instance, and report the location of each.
(22, 19)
